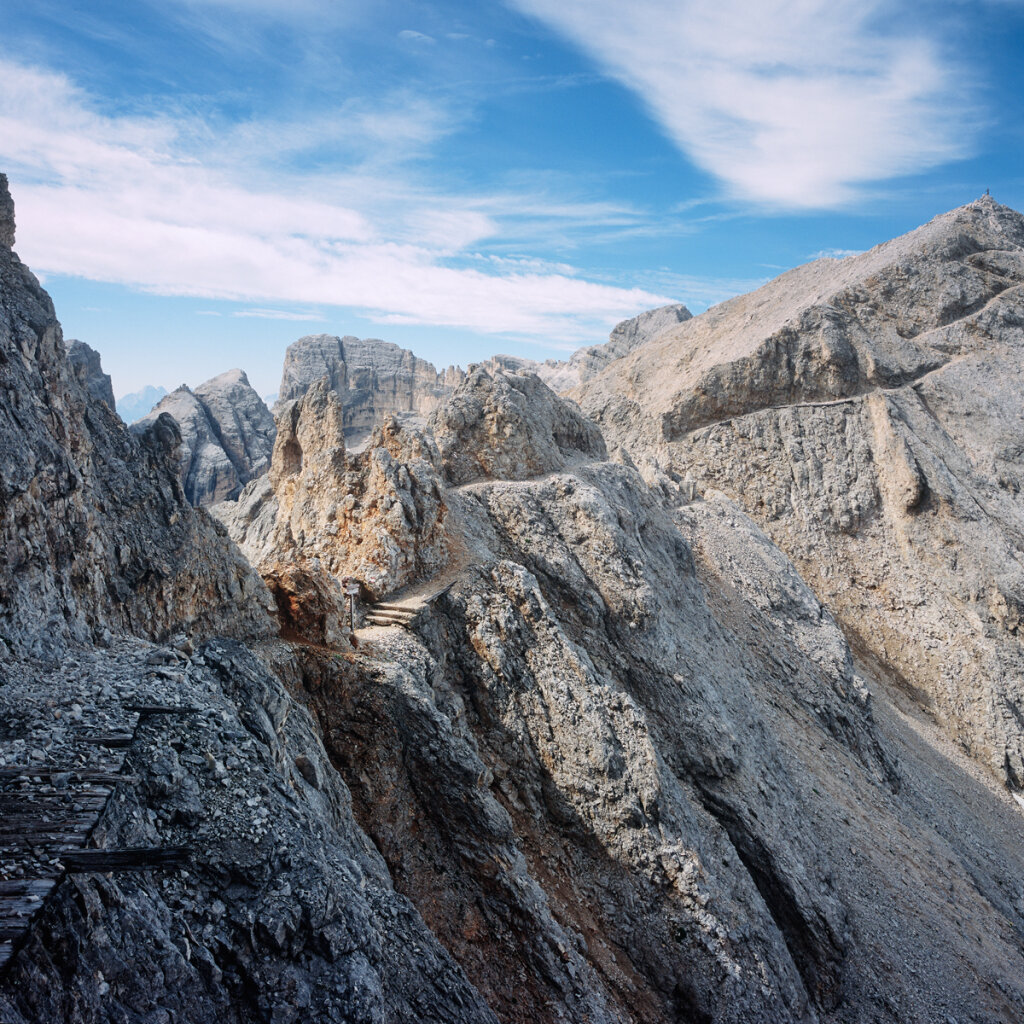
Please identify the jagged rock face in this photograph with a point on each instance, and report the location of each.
(6, 215)
(227, 436)
(95, 530)
(647, 784)
(85, 362)
(377, 516)
(374, 379)
(285, 912)
(510, 426)
(869, 413)
(625, 338)
(135, 405)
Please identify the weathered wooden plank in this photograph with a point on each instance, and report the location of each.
(6, 952)
(113, 741)
(161, 709)
(84, 774)
(11, 823)
(42, 838)
(34, 826)
(19, 906)
(27, 886)
(136, 858)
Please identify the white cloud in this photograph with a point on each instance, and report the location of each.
(165, 205)
(278, 314)
(790, 104)
(412, 36)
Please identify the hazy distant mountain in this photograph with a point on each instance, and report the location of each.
(135, 405)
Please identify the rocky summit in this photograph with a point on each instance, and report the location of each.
(227, 435)
(374, 379)
(522, 710)
(869, 414)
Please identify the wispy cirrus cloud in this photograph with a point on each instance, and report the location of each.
(163, 204)
(279, 314)
(796, 105)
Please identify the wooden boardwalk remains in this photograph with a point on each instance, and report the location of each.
(48, 813)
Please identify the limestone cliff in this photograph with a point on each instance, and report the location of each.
(227, 435)
(869, 413)
(374, 380)
(94, 529)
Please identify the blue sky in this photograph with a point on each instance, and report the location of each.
(200, 182)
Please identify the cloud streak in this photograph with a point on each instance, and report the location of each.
(796, 105)
(158, 203)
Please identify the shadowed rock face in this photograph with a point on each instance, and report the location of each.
(374, 380)
(85, 362)
(869, 413)
(94, 527)
(285, 910)
(227, 435)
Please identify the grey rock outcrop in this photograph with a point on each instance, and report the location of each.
(562, 375)
(374, 379)
(869, 413)
(510, 426)
(88, 368)
(6, 215)
(284, 911)
(94, 528)
(377, 515)
(227, 435)
(136, 404)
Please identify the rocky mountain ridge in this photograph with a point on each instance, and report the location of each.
(615, 761)
(653, 699)
(562, 375)
(227, 435)
(868, 413)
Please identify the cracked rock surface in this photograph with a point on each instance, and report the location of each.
(868, 412)
(227, 435)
